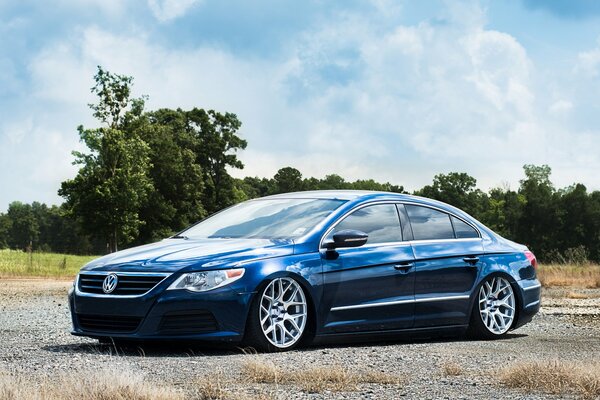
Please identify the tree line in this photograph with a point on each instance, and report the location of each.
(149, 174)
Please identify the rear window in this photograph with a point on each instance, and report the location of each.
(462, 230)
(429, 224)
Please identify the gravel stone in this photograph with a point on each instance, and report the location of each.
(35, 342)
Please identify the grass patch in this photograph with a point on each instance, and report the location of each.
(577, 296)
(93, 385)
(18, 264)
(451, 369)
(315, 380)
(554, 377)
(561, 275)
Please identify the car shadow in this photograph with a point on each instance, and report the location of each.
(415, 339)
(146, 349)
(167, 349)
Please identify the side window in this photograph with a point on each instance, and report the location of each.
(428, 224)
(463, 230)
(379, 221)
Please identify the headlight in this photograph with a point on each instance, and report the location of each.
(203, 281)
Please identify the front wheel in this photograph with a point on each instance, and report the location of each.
(278, 316)
(494, 311)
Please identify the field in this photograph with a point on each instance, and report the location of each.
(14, 263)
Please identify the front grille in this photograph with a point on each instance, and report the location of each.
(128, 284)
(188, 322)
(108, 323)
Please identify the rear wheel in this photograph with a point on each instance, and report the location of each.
(278, 316)
(495, 309)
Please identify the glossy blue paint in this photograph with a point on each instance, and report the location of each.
(382, 287)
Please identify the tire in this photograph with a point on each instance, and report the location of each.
(278, 317)
(494, 310)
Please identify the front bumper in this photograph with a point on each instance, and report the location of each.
(216, 315)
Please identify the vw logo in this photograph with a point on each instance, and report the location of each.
(110, 283)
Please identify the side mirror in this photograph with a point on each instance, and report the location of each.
(347, 238)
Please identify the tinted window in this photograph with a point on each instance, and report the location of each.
(463, 230)
(380, 222)
(428, 223)
(265, 219)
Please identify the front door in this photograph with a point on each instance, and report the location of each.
(369, 287)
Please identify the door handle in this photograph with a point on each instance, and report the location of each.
(404, 266)
(471, 260)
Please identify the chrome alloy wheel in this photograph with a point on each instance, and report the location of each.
(497, 305)
(283, 312)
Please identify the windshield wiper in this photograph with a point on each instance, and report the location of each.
(179, 237)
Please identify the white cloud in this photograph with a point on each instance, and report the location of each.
(561, 107)
(588, 63)
(168, 10)
(349, 96)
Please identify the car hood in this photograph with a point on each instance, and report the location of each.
(171, 255)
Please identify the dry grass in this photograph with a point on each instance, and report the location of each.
(218, 387)
(211, 388)
(314, 380)
(554, 377)
(577, 296)
(257, 371)
(451, 369)
(582, 276)
(87, 385)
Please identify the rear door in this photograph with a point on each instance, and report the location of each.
(447, 251)
(369, 287)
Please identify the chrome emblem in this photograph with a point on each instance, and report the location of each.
(110, 283)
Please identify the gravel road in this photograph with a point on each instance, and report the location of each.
(35, 342)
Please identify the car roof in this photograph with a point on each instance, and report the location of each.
(339, 195)
(366, 195)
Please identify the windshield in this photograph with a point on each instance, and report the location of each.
(265, 219)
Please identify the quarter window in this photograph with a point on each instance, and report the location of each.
(379, 221)
(429, 224)
(463, 230)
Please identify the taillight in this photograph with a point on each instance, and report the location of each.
(531, 257)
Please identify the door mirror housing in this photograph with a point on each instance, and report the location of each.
(347, 238)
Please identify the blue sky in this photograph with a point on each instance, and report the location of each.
(391, 90)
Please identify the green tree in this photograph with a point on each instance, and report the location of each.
(254, 187)
(502, 211)
(539, 223)
(112, 183)
(215, 146)
(23, 229)
(4, 230)
(175, 201)
(287, 179)
(370, 184)
(457, 189)
(593, 225)
(332, 181)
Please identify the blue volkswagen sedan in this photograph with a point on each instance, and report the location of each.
(280, 271)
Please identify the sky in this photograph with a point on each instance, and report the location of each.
(396, 91)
